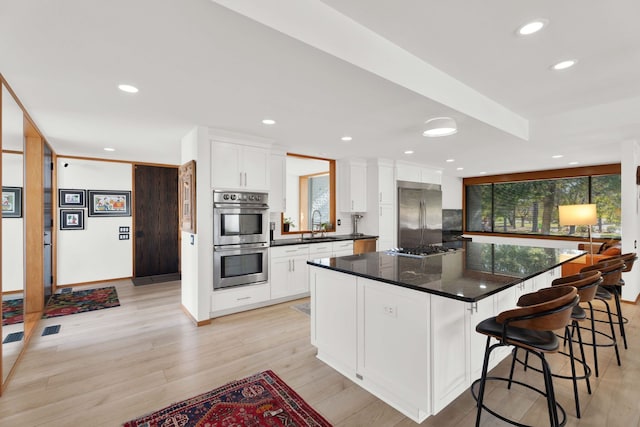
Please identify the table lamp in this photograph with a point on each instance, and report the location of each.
(579, 215)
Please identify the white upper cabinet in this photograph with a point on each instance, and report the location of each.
(386, 185)
(277, 194)
(352, 186)
(416, 173)
(241, 167)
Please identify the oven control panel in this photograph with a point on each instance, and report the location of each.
(240, 197)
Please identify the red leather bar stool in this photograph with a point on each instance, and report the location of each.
(611, 270)
(531, 327)
(629, 259)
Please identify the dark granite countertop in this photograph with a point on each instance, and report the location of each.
(469, 274)
(326, 238)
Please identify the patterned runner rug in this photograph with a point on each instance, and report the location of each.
(12, 311)
(259, 400)
(81, 301)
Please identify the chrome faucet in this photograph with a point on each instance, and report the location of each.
(313, 223)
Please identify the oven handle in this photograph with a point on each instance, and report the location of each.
(239, 205)
(249, 246)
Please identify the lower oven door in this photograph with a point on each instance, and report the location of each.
(237, 265)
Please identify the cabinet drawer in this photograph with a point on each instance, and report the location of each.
(346, 246)
(320, 248)
(245, 295)
(289, 251)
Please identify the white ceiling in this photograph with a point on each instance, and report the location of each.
(372, 69)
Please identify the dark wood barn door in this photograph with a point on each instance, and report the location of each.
(156, 223)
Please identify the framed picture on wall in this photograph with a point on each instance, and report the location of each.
(12, 202)
(188, 197)
(72, 219)
(109, 203)
(71, 198)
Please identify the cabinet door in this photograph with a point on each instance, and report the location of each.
(225, 165)
(299, 277)
(477, 342)
(449, 341)
(358, 188)
(386, 185)
(408, 173)
(255, 168)
(279, 276)
(333, 319)
(393, 346)
(430, 176)
(277, 193)
(387, 229)
(342, 248)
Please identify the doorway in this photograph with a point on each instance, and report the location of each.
(156, 243)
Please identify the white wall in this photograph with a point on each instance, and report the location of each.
(12, 228)
(630, 217)
(197, 257)
(95, 253)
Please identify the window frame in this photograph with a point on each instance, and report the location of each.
(584, 171)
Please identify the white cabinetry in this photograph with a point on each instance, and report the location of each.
(352, 187)
(278, 193)
(416, 173)
(289, 271)
(237, 166)
(229, 299)
(381, 195)
(342, 248)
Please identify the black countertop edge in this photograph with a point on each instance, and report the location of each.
(329, 238)
(438, 292)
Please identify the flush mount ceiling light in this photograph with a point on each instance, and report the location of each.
(563, 65)
(128, 88)
(532, 27)
(268, 122)
(346, 138)
(440, 126)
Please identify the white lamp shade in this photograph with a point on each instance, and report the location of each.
(578, 214)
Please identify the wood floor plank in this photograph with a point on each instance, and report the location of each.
(109, 366)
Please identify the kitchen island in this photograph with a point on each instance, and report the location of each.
(403, 328)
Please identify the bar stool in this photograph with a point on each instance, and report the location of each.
(611, 270)
(529, 327)
(587, 285)
(629, 259)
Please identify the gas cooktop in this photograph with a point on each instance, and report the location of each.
(420, 251)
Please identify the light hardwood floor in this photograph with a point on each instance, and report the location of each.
(109, 366)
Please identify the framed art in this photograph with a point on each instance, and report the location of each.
(187, 196)
(12, 202)
(71, 198)
(72, 219)
(109, 203)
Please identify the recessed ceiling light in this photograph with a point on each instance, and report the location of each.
(573, 163)
(408, 152)
(557, 156)
(483, 173)
(109, 149)
(440, 126)
(451, 160)
(459, 169)
(128, 88)
(563, 65)
(346, 138)
(268, 122)
(532, 27)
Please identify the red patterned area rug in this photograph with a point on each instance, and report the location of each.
(259, 400)
(81, 301)
(12, 311)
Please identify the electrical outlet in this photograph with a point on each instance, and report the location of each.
(339, 222)
(390, 310)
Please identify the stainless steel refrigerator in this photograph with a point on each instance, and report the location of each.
(419, 214)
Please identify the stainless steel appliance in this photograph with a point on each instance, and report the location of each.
(240, 238)
(419, 214)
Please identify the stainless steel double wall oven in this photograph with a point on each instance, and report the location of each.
(240, 238)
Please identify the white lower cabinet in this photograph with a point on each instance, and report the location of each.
(228, 299)
(342, 248)
(289, 271)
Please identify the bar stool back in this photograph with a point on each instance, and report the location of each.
(529, 327)
(629, 259)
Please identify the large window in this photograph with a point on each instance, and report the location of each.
(529, 206)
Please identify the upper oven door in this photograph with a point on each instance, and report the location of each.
(239, 225)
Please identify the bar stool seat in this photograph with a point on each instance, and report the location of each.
(616, 289)
(529, 327)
